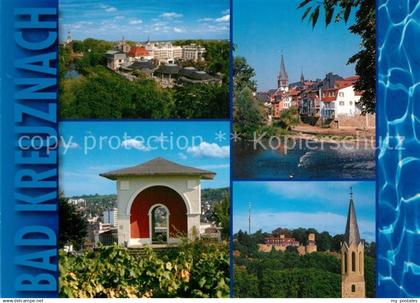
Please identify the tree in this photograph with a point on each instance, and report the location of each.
(242, 75)
(364, 27)
(73, 226)
(289, 118)
(247, 117)
(222, 216)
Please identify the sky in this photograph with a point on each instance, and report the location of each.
(264, 29)
(139, 19)
(83, 157)
(318, 204)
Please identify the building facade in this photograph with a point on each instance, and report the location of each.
(193, 52)
(352, 258)
(158, 202)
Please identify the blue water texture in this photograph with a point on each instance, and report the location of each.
(398, 167)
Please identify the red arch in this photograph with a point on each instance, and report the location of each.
(139, 213)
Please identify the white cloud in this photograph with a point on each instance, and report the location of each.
(178, 30)
(226, 12)
(223, 19)
(135, 22)
(119, 17)
(136, 144)
(215, 166)
(212, 150)
(110, 9)
(171, 15)
(183, 156)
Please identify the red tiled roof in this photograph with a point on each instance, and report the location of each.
(346, 82)
(138, 52)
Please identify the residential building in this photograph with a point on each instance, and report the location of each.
(115, 59)
(340, 101)
(110, 216)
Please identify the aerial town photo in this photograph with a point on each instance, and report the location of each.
(293, 241)
(304, 99)
(142, 219)
(155, 60)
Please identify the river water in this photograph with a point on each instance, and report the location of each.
(303, 160)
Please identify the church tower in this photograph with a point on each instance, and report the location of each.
(352, 258)
(283, 78)
(302, 78)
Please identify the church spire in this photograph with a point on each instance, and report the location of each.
(283, 73)
(302, 78)
(283, 78)
(351, 234)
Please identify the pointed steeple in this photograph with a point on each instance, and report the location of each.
(283, 73)
(302, 78)
(351, 234)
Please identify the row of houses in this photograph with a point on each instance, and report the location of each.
(162, 61)
(320, 100)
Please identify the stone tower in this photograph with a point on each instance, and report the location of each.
(311, 244)
(352, 258)
(283, 78)
(302, 78)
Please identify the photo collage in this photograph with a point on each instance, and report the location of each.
(217, 148)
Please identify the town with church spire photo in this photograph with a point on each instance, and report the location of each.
(292, 240)
(300, 109)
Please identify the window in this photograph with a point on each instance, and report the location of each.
(341, 94)
(351, 102)
(353, 261)
(341, 103)
(345, 262)
(353, 288)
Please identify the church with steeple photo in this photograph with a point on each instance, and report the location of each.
(352, 257)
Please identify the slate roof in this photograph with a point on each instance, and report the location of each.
(159, 167)
(168, 69)
(351, 234)
(142, 65)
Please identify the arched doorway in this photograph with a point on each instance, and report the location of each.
(159, 224)
(150, 203)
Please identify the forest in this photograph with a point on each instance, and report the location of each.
(88, 89)
(287, 274)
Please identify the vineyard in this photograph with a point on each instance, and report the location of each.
(195, 269)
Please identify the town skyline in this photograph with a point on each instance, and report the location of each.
(174, 20)
(303, 204)
(79, 172)
(316, 51)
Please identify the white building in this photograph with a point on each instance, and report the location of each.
(193, 52)
(165, 52)
(110, 216)
(340, 101)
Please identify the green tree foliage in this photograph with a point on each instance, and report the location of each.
(196, 269)
(242, 75)
(201, 101)
(247, 116)
(289, 118)
(103, 94)
(73, 226)
(287, 274)
(245, 283)
(300, 283)
(364, 27)
(221, 216)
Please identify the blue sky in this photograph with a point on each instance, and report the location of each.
(125, 144)
(263, 29)
(139, 19)
(318, 204)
